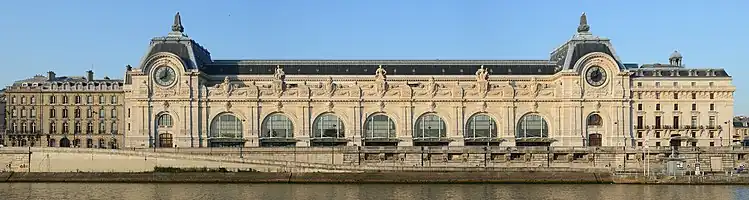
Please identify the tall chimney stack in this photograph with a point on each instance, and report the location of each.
(50, 76)
(90, 75)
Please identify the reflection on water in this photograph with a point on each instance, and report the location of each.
(65, 191)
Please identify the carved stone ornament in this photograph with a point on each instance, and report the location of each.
(382, 106)
(598, 106)
(279, 74)
(535, 106)
(432, 106)
(228, 106)
(279, 106)
(166, 104)
(484, 105)
(330, 106)
(380, 73)
(482, 74)
(431, 87)
(329, 87)
(223, 88)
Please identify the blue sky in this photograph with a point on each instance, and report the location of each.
(73, 36)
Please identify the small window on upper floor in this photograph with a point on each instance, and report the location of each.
(694, 95)
(658, 106)
(676, 95)
(712, 95)
(712, 107)
(676, 106)
(639, 95)
(657, 84)
(694, 106)
(657, 95)
(710, 84)
(694, 84)
(639, 84)
(639, 106)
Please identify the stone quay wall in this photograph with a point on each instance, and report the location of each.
(612, 159)
(621, 160)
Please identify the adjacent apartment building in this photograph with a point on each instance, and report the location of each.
(581, 94)
(64, 111)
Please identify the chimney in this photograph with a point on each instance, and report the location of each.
(90, 75)
(50, 76)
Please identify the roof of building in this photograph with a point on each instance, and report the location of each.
(393, 67)
(563, 58)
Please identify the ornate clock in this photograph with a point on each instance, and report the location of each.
(596, 76)
(164, 76)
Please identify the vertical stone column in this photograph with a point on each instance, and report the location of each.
(356, 130)
(456, 139)
(405, 134)
(251, 135)
(302, 137)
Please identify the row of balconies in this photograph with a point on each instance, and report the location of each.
(687, 127)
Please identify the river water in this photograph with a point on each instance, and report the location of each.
(79, 191)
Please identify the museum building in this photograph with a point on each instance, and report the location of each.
(582, 95)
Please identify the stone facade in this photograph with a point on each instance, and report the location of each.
(65, 111)
(583, 95)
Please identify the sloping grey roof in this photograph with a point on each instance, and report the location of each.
(393, 67)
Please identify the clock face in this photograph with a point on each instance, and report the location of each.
(595, 76)
(164, 76)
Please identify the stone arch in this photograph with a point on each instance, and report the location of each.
(481, 128)
(226, 130)
(327, 123)
(277, 129)
(164, 58)
(328, 129)
(430, 129)
(379, 130)
(595, 128)
(532, 130)
(164, 119)
(596, 58)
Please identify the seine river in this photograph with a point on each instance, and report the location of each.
(79, 191)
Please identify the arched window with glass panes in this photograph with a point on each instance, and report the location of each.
(328, 125)
(532, 126)
(226, 126)
(481, 126)
(277, 125)
(430, 126)
(379, 126)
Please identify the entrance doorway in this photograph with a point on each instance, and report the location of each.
(165, 140)
(595, 140)
(64, 142)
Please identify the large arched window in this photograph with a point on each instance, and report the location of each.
(532, 125)
(595, 120)
(430, 126)
(481, 126)
(226, 126)
(379, 126)
(164, 120)
(327, 126)
(277, 126)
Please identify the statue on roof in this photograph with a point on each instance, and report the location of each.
(177, 26)
(280, 74)
(583, 27)
(380, 73)
(482, 74)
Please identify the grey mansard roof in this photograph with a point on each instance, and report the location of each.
(368, 67)
(563, 58)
